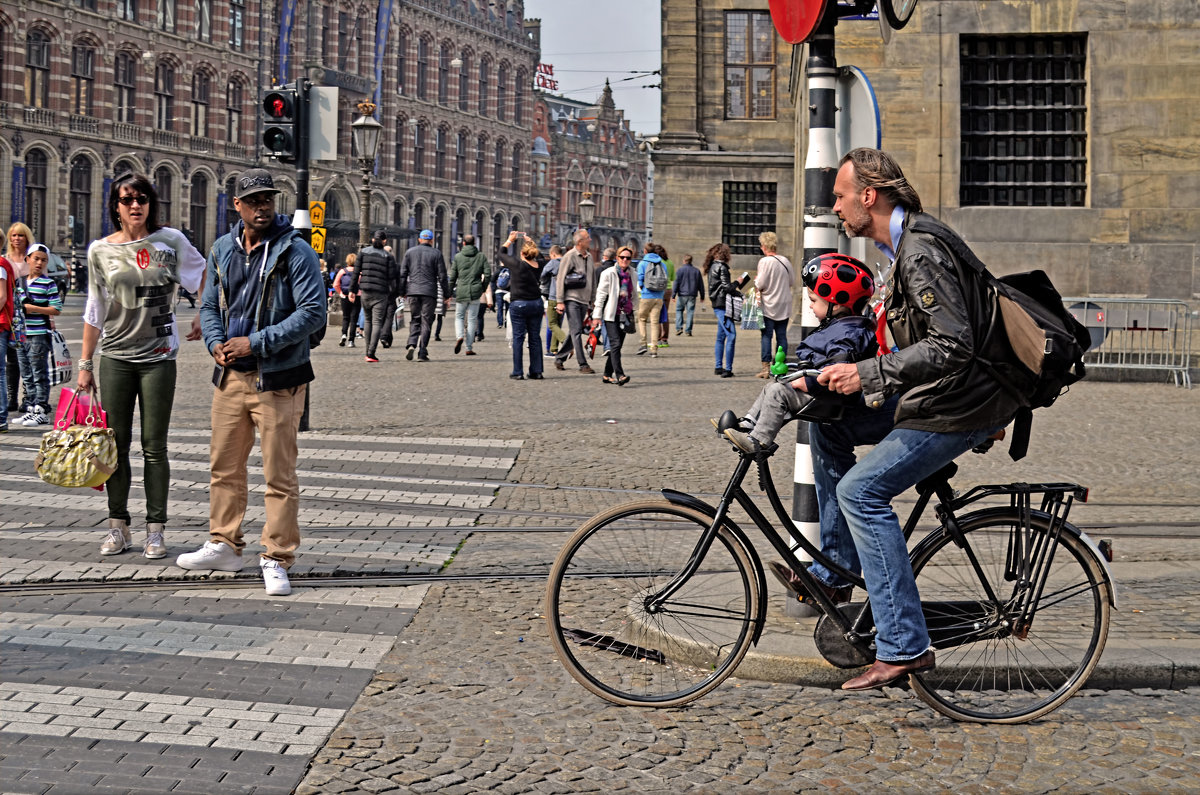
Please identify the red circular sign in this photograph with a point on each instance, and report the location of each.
(797, 19)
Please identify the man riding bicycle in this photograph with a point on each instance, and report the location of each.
(944, 404)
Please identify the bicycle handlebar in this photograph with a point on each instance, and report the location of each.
(801, 373)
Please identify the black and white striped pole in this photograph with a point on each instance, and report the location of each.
(820, 237)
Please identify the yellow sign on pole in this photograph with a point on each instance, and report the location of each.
(318, 239)
(316, 213)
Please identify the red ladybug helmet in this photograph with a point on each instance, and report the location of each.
(841, 280)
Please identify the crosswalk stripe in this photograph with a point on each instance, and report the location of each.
(153, 718)
(195, 638)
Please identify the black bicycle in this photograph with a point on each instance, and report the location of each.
(656, 602)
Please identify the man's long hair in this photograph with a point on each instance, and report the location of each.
(874, 168)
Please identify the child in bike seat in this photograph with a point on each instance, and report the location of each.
(841, 288)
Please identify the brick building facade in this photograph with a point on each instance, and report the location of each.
(93, 88)
(581, 149)
(1054, 134)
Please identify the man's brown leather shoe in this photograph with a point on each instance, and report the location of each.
(882, 674)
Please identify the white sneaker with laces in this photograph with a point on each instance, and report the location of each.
(275, 577)
(35, 418)
(213, 556)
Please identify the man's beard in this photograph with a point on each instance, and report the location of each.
(856, 223)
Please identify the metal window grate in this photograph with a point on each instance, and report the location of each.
(748, 210)
(1024, 114)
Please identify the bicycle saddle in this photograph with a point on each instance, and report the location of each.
(728, 420)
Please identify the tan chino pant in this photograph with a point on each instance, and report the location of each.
(237, 411)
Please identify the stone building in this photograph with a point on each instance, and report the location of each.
(581, 150)
(93, 88)
(1054, 134)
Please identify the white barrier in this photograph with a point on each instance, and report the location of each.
(1137, 334)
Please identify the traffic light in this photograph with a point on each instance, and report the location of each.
(282, 123)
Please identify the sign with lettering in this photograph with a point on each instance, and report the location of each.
(318, 239)
(544, 77)
(316, 213)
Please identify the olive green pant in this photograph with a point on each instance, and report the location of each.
(152, 388)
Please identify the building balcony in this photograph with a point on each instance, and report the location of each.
(129, 133)
(40, 117)
(166, 139)
(201, 146)
(235, 151)
(85, 124)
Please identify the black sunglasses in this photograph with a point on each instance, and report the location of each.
(128, 201)
(625, 257)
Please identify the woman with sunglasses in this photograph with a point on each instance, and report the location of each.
(614, 301)
(134, 276)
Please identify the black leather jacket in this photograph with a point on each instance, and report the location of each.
(938, 311)
(422, 271)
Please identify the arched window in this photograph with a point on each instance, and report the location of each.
(464, 82)
(83, 74)
(401, 134)
(439, 152)
(164, 97)
(501, 91)
(419, 215)
(164, 186)
(125, 81)
(198, 212)
(80, 206)
(399, 214)
(36, 173)
(485, 76)
(439, 229)
(422, 68)
(460, 227)
(443, 80)
(499, 233)
(402, 44)
(231, 214)
(479, 227)
(201, 87)
(333, 206)
(460, 157)
(519, 97)
(419, 149)
(498, 173)
(233, 111)
(37, 70)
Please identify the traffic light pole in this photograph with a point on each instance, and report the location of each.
(301, 220)
(820, 236)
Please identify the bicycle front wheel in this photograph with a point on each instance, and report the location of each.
(614, 632)
(990, 668)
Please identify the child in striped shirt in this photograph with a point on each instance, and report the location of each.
(41, 302)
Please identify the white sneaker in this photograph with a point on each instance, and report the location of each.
(213, 556)
(35, 418)
(275, 577)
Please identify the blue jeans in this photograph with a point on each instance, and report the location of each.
(25, 371)
(685, 306)
(526, 319)
(726, 339)
(855, 500)
(4, 335)
(37, 349)
(466, 321)
(778, 328)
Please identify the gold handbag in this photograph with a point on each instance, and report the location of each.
(78, 456)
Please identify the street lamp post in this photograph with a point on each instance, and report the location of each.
(587, 211)
(366, 130)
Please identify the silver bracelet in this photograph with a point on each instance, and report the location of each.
(86, 365)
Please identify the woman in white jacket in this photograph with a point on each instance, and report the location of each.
(614, 301)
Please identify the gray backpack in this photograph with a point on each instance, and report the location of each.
(655, 277)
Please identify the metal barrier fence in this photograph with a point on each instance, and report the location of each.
(1137, 334)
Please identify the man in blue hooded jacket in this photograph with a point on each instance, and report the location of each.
(263, 298)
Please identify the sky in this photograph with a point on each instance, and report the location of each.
(588, 40)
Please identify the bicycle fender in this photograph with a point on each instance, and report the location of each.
(695, 503)
(1100, 557)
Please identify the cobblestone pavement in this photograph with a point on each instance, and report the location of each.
(470, 697)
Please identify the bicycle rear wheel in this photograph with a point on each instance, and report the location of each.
(999, 675)
(623, 644)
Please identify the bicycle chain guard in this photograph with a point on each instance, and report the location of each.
(832, 643)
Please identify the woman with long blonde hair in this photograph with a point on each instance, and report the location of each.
(17, 371)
